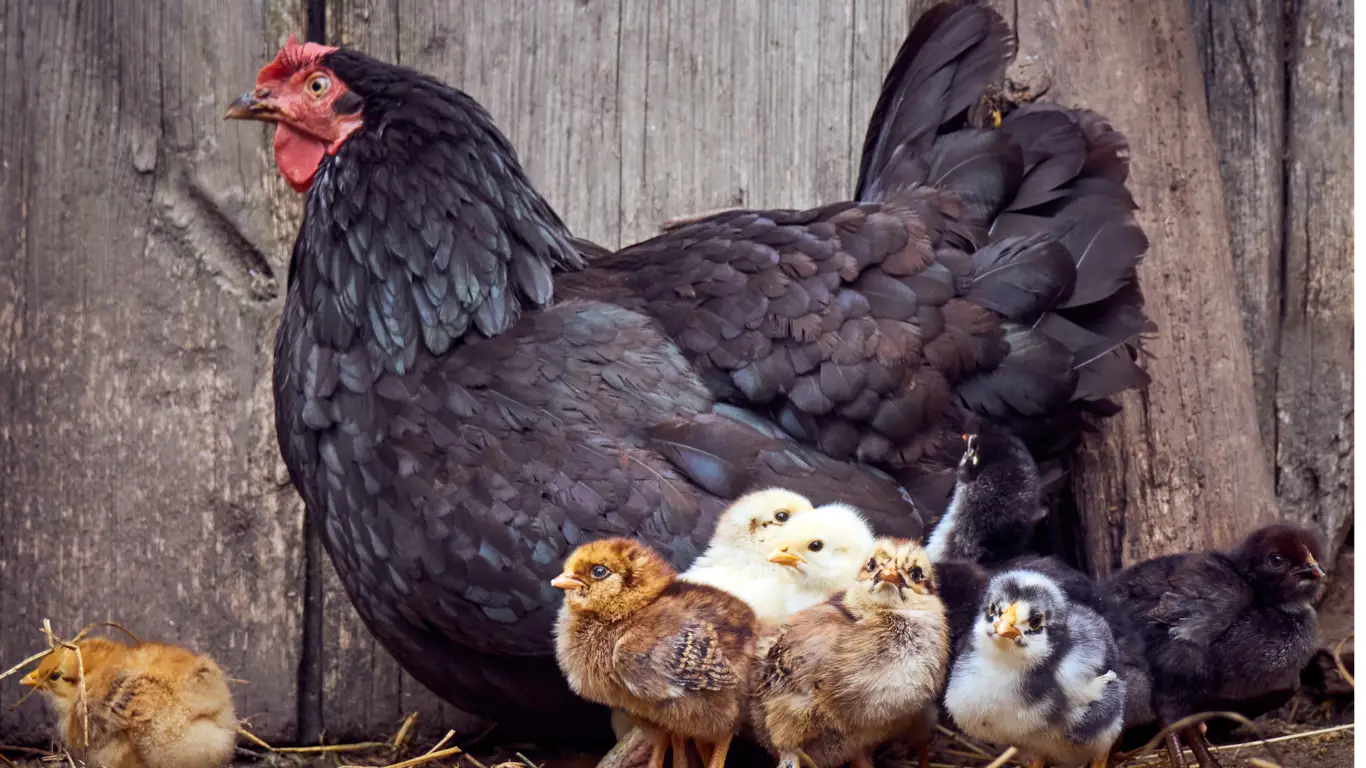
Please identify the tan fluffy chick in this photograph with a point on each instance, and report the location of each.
(860, 670)
(150, 705)
(675, 655)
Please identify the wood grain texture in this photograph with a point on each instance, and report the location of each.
(137, 253)
(1314, 411)
(1183, 466)
(1286, 166)
(1241, 49)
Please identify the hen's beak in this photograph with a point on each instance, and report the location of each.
(1005, 625)
(782, 556)
(249, 107)
(567, 581)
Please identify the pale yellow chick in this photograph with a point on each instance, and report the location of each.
(150, 705)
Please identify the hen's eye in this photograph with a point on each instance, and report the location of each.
(599, 572)
(872, 563)
(917, 575)
(318, 84)
(782, 516)
(816, 545)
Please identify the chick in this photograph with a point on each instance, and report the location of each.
(1216, 630)
(675, 655)
(1038, 673)
(996, 501)
(858, 670)
(780, 555)
(150, 705)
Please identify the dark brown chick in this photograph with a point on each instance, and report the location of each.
(1216, 630)
(673, 654)
(863, 669)
(150, 705)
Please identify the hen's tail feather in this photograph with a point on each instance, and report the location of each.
(953, 54)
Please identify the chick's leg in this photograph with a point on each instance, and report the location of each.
(1200, 746)
(679, 745)
(1100, 762)
(658, 747)
(863, 761)
(1036, 762)
(718, 755)
(704, 748)
(1174, 755)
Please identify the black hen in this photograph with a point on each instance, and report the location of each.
(462, 400)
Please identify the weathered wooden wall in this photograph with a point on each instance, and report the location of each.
(141, 237)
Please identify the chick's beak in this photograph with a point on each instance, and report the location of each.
(1005, 625)
(1311, 568)
(890, 576)
(782, 556)
(568, 581)
(31, 679)
(251, 106)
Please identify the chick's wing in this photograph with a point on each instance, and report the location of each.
(1201, 600)
(657, 666)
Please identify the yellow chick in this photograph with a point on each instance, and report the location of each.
(149, 705)
(779, 554)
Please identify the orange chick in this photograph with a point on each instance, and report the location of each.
(675, 655)
(865, 668)
(150, 705)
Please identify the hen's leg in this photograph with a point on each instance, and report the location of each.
(718, 755)
(1200, 746)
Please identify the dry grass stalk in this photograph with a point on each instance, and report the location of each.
(431, 755)
(1003, 759)
(1337, 659)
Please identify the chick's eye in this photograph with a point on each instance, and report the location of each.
(816, 545)
(872, 564)
(1036, 622)
(782, 516)
(1276, 561)
(917, 575)
(318, 84)
(57, 675)
(599, 572)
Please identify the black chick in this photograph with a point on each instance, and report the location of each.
(996, 500)
(1215, 630)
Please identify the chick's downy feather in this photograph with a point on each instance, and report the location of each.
(1038, 672)
(631, 636)
(150, 705)
(838, 679)
(1218, 630)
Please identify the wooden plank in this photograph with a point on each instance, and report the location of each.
(1241, 48)
(1314, 411)
(1183, 466)
(140, 480)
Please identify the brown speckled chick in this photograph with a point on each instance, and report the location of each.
(150, 705)
(675, 655)
(860, 670)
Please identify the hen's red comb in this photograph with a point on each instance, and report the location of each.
(292, 58)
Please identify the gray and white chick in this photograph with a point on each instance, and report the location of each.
(1038, 673)
(996, 500)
